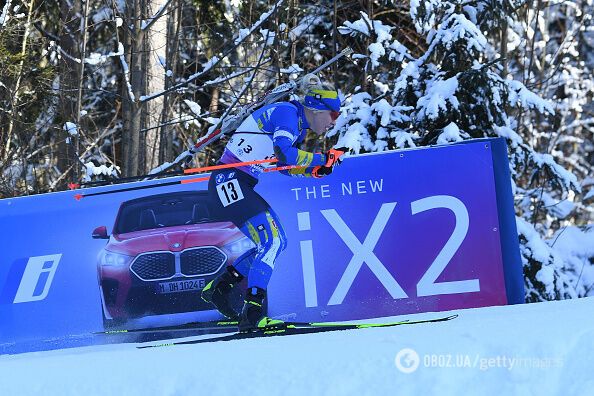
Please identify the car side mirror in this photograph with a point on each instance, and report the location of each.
(100, 233)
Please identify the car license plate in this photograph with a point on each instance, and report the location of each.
(181, 286)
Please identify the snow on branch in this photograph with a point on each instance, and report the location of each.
(71, 128)
(126, 70)
(528, 99)
(214, 61)
(304, 25)
(4, 17)
(439, 94)
(145, 25)
(383, 35)
(96, 58)
(457, 30)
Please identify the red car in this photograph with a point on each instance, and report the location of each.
(162, 252)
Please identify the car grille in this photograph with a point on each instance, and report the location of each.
(193, 262)
(152, 266)
(200, 261)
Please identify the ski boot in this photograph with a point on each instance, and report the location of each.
(218, 290)
(253, 317)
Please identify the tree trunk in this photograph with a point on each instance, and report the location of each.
(132, 108)
(172, 42)
(156, 56)
(69, 77)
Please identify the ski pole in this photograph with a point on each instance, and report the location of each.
(79, 196)
(224, 166)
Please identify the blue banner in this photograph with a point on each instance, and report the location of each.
(391, 233)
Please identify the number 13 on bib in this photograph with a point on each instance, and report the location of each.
(229, 192)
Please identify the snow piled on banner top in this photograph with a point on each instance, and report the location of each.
(451, 134)
(93, 170)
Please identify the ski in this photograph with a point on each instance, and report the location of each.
(294, 328)
(209, 325)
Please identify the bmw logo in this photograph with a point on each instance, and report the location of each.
(176, 245)
(220, 178)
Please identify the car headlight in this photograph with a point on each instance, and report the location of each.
(115, 259)
(241, 245)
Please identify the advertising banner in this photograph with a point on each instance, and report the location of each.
(391, 233)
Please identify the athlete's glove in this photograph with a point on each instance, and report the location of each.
(332, 159)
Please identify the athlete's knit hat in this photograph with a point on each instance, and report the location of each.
(322, 99)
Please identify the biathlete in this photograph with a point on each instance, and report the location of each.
(275, 130)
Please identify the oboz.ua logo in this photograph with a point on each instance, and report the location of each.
(37, 278)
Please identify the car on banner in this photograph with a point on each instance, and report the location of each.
(161, 253)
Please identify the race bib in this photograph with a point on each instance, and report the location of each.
(229, 192)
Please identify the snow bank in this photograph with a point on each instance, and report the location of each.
(531, 349)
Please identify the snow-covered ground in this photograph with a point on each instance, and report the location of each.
(536, 349)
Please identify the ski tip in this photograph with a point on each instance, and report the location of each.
(78, 197)
(113, 332)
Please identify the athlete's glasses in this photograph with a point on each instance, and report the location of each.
(333, 114)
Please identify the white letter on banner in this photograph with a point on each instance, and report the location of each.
(36, 267)
(363, 253)
(307, 261)
(427, 285)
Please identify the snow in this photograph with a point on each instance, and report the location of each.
(126, 71)
(362, 26)
(572, 241)
(145, 24)
(103, 14)
(528, 99)
(160, 168)
(268, 36)
(540, 251)
(71, 128)
(381, 31)
(93, 170)
(194, 107)
(569, 179)
(243, 33)
(376, 50)
(384, 110)
(512, 137)
(294, 68)
(531, 349)
(304, 25)
(4, 17)
(450, 134)
(439, 95)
